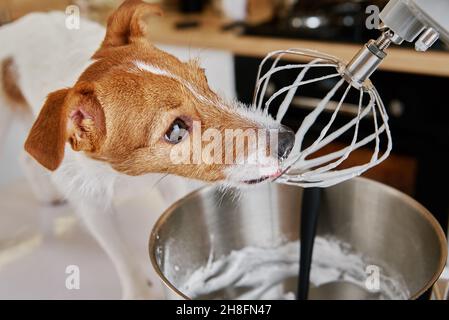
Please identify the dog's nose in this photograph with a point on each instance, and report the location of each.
(286, 141)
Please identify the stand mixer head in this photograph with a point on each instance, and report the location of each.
(418, 21)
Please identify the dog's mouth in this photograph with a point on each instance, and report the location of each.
(263, 178)
(256, 181)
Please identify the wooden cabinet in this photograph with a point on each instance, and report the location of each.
(17, 8)
(398, 171)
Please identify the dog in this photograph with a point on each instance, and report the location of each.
(107, 105)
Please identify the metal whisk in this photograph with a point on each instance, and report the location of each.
(302, 168)
(420, 21)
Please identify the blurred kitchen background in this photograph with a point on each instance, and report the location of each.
(231, 36)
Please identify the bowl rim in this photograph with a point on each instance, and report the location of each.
(425, 213)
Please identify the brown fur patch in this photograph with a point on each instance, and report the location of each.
(9, 83)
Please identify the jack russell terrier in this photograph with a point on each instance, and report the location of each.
(117, 108)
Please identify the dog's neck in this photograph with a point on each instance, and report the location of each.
(94, 181)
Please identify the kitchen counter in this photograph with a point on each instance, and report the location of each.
(209, 35)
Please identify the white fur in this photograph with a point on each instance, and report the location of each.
(142, 66)
(157, 71)
(267, 167)
(40, 181)
(49, 57)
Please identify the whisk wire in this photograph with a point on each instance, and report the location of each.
(323, 171)
(346, 154)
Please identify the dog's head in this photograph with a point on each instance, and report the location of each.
(143, 111)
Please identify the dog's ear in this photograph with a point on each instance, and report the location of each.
(73, 115)
(46, 139)
(127, 24)
(86, 125)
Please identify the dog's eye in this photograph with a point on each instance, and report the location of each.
(177, 132)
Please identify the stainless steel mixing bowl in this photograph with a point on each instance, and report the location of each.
(382, 223)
